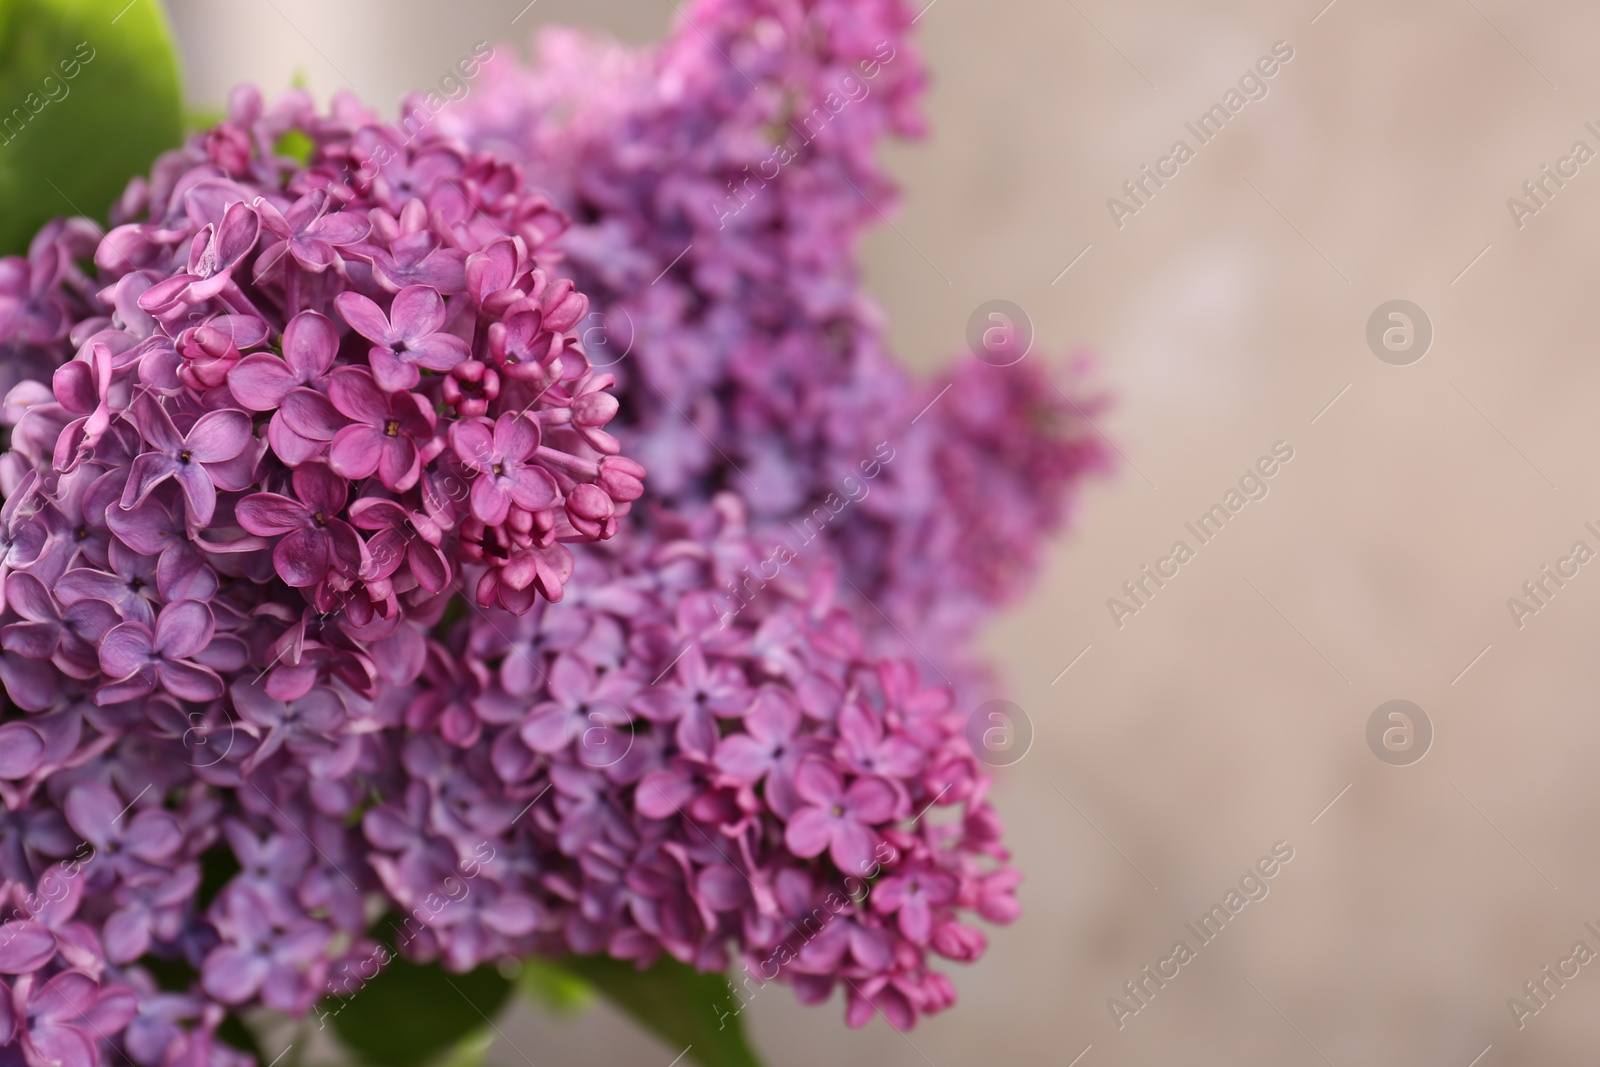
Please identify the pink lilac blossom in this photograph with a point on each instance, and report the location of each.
(239, 482)
(255, 286)
(304, 560)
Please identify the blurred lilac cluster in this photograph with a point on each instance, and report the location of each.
(719, 185)
(326, 575)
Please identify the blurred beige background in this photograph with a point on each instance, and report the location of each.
(1227, 314)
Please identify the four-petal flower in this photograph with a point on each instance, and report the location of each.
(215, 438)
(316, 542)
(137, 657)
(407, 339)
(500, 456)
(384, 433)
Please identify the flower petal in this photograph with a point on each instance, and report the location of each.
(743, 758)
(364, 317)
(310, 343)
(154, 836)
(473, 444)
(398, 464)
(321, 489)
(871, 800)
(231, 974)
(310, 414)
(25, 946)
(417, 311)
(818, 782)
(125, 649)
(22, 750)
(301, 558)
(199, 493)
(182, 629)
(237, 234)
(64, 998)
(188, 681)
(852, 846)
(662, 794)
(490, 503)
(357, 396)
(148, 471)
(155, 425)
(533, 489)
(549, 731)
(809, 832)
(393, 374)
(268, 514)
(29, 598)
(428, 566)
(515, 436)
(59, 1046)
(437, 351)
(356, 451)
(218, 436)
(261, 381)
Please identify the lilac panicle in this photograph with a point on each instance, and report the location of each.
(319, 548)
(244, 451)
(719, 248)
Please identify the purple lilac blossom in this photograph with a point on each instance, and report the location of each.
(718, 244)
(397, 654)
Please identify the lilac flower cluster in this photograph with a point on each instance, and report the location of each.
(309, 572)
(719, 247)
(697, 785)
(388, 327)
(261, 434)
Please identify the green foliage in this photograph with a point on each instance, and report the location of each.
(89, 96)
(470, 1050)
(418, 1015)
(296, 146)
(218, 865)
(554, 986)
(197, 119)
(236, 1034)
(677, 1003)
(414, 1014)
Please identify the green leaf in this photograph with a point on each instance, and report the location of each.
(218, 865)
(679, 1004)
(296, 145)
(89, 96)
(470, 1050)
(412, 1014)
(234, 1032)
(554, 986)
(199, 119)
